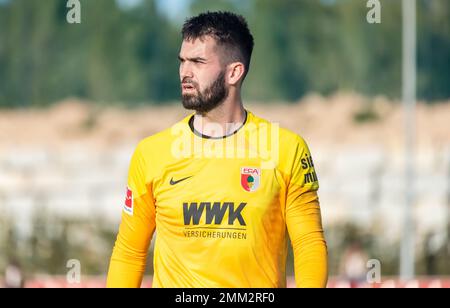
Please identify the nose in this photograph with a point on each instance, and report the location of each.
(185, 70)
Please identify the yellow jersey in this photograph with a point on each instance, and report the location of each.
(222, 209)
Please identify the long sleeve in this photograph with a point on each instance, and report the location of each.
(303, 219)
(128, 260)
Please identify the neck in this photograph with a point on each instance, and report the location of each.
(222, 120)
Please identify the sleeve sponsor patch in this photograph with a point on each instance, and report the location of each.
(128, 206)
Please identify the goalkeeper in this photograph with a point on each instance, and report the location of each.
(223, 189)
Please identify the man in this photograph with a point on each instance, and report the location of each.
(222, 205)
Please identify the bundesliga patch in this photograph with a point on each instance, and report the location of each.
(128, 207)
(250, 178)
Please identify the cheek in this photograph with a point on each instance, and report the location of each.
(207, 77)
(202, 81)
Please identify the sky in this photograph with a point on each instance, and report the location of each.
(174, 9)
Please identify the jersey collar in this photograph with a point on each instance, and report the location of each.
(199, 134)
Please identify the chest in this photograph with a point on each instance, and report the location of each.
(230, 193)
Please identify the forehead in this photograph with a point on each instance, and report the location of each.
(200, 47)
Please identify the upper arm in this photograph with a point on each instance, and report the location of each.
(128, 260)
(303, 220)
(302, 203)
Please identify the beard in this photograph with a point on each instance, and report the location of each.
(210, 98)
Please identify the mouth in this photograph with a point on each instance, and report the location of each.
(187, 87)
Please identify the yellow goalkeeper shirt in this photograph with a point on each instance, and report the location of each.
(222, 209)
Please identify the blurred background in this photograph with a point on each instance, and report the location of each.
(75, 99)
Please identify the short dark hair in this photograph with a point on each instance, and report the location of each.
(228, 29)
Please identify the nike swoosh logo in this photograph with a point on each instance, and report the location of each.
(172, 182)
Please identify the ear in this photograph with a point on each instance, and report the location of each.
(235, 73)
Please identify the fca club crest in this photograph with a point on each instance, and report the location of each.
(250, 178)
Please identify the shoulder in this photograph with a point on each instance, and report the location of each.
(290, 138)
(293, 149)
(155, 151)
(287, 139)
(161, 142)
(288, 147)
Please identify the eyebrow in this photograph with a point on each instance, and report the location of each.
(195, 59)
